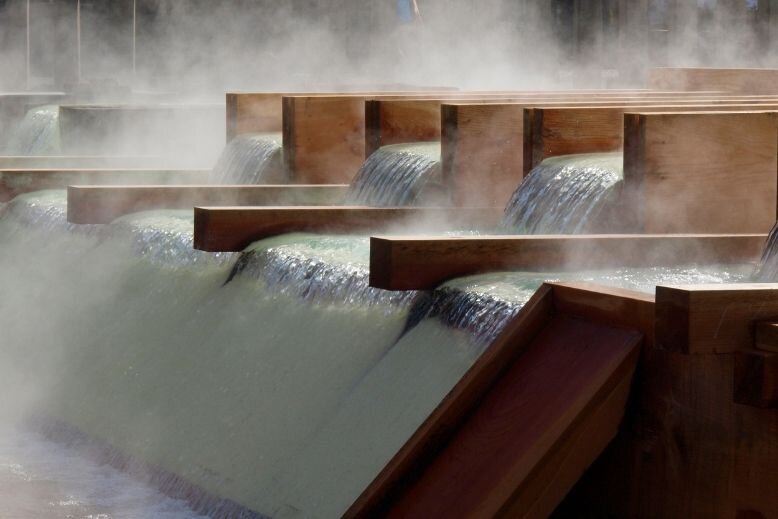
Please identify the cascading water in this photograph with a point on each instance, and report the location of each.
(565, 195)
(399, 175)
(254, 158)
(37, 134)
(277, 380)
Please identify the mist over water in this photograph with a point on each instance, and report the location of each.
(399, 175)
(251, 159)
(37, 134)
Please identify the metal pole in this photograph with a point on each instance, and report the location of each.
(78, 37)
(27, 55)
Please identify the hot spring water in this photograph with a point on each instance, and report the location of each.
(37, 134)
(254, 158)
(277, 378)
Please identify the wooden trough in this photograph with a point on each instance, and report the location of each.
(327, 123)
(223, 229)
(16, 182)
(425, 262)
(192, 131)
(550, 395)
(103, 204)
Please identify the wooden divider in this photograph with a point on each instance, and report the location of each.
(424, 262)
(231, 229)
(16, 182)
(743, 80)
(548, 394)
(325, 137)
(103, 204)
(700, 172)
(570, 130)
(88, 162)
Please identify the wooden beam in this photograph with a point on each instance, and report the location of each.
(707, 319)
(741, 80)
(85, 162)
(16, 182)
(103, 204)
(443, 470)
(589, 129)
(767, 336)
(681, 169)
(234, 228)
(424, 262)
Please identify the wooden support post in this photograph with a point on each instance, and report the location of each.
(103, 204)
(231, 229)
(424, 262)
(16, 182)
(577, 371)
(706, 319)
(682, 169)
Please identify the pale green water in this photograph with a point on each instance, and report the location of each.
(37, 133)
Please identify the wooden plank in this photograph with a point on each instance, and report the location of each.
(543, 422)
(707, 319)
(442, 424)
(741, 80)
(681, 169)
(569, 130)
(87, 162)
(756, 378)
(103, 204)
(424, 262)
(234, 228)
(16, 182)
(767, 336)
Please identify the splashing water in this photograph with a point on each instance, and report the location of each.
(251, 159)
(398, 175)
(767, 270)
(565, 195)
(37, 134)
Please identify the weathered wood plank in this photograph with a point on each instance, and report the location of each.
(424, 262)
(706, 319)
(16, 182)
(681, 169)
(103, 204)
(234, 228)
(756, 378)
(745, 80)
(569, 388)
(572, 130)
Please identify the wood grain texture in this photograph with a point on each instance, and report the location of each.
(103, 204)
(482, 152)
(767, 336)
(424, 262)
(542, 423)
(682, 169)
(16, 182)
(743, 80)
(255, 112)
(707, 319)
(233, 228)
(756, 378)
(571, 130)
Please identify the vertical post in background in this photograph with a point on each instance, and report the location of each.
(78, 40)
(27, 49)
(134, 37)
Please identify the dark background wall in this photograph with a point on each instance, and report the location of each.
(207, 44)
